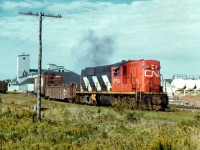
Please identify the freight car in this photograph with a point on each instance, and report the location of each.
(65, 92)
(47, 80)
(132, 84)
(56, 79)
(3, 86)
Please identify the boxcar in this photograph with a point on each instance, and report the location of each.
(66, 92)
(3, 86)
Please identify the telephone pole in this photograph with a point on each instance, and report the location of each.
(41, 15)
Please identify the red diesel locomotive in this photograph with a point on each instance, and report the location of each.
(132, 83)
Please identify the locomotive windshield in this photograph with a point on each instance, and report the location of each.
(116, 72)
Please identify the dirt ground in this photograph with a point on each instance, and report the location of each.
(191, 100)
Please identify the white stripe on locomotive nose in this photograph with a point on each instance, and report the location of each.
(81, 88)
(96, 83)
(87, 83)
(107, 82)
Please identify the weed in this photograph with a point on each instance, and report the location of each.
(197, 117)
(104, 134)
(161, 143)
(66, 126)
(99, 110)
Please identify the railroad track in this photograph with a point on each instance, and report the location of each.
(184, 107)
(21, 106)
(14, 105)
(171, 106)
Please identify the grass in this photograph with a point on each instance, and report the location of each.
(70, 126)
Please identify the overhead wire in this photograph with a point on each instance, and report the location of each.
(46, 24)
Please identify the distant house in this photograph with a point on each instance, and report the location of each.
(13, 86)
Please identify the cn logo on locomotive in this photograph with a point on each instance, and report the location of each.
(150, 73)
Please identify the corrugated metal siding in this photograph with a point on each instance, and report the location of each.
(62, 92)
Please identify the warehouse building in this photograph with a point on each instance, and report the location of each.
(24, 81)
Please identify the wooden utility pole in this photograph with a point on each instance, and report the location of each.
(39, 58)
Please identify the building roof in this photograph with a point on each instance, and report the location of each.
(28, 81)
(168, 80)
(36, 70)
(24, 55)
(67, 77)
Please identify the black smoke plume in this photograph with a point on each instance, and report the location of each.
(93, 51)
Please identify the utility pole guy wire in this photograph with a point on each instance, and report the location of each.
(39, 57)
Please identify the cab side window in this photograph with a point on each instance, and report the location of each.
(124, 70)
(116, 72)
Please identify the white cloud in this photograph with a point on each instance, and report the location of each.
(9, 5)
(159, 29)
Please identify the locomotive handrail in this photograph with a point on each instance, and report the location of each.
(136, 88)
(142, 87)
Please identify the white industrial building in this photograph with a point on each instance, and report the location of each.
(25, 76)
(23, 67)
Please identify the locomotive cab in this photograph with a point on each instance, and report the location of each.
(133, 76)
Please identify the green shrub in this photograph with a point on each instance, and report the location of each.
(161, 143)
(68, 126)
(197, 117)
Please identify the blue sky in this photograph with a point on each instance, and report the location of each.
(102, 32)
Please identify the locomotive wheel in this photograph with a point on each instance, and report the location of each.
(131, 103)
(164, 101)
(149, 103)
(124, 102)
(159, 102)
(71, 100)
